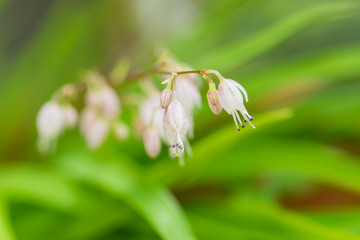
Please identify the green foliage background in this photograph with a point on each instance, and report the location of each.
(297, 176)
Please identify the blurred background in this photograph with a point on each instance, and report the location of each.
(297, 176)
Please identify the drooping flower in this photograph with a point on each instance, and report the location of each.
(105, 100)
(152, 142)
(231, 97)
(50, 124)
(152, 118)
(175, 125)
(93, 127)
(189, 96)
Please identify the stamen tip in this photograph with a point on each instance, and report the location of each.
(238, 129)
(243, 126)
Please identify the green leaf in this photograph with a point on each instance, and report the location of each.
(251, 220)
(213, 146)
(6, 232)
(236, 54)
(40, 187)
(155, 203)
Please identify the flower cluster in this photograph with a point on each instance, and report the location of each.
(165, 116)
(98, 117)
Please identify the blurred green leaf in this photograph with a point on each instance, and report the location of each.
(258, 221)
(154, 203)
(213, 146)
(5, 229)
(236, 54)
(40, 187)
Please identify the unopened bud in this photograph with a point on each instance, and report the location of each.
(165, 98)
(213, 99)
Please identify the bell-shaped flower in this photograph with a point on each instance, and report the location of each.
(93, 127)
(189, 96)
(50, 124)
(152, 142)
(175, 126)
(152, 114)
(231, 95)
(105, 100)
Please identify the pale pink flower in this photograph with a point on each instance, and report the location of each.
(231, 99)
(94, 128)
(152, 142)
(151, 115)
(105, 100)
(148, 108)
(70, 116)
(50, 125)
(175, 126)
(189, 96)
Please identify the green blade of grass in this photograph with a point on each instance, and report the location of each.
(236, 54)
(154, 203)
(6, 232)
(213, 146)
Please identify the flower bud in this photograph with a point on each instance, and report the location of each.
(152, 142)
(165, 98)
(213, 99)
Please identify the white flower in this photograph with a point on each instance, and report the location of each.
(152, 142)
(94, 128)
(49, 124)
(231, 99)
(70, 116)
(175, 125)
(152, 116)
(189, 96)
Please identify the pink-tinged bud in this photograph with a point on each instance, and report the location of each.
(94, 128)
(152, 142)
(70, 116)
(213, 100)
(165, 98)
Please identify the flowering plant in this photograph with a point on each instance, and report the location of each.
(164, 116)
